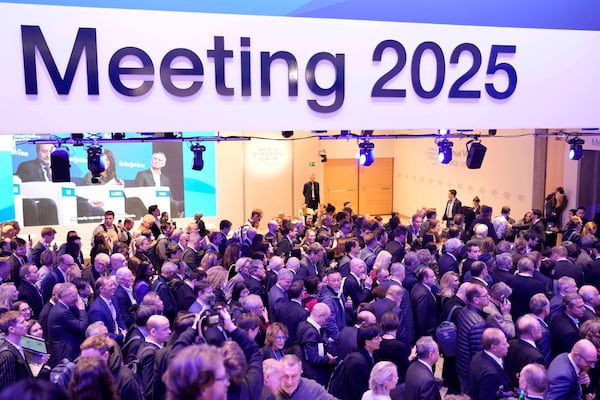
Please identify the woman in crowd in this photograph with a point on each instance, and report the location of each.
(277, 334)
(590, 228)
(448, 286)
(92, 380)
(34, 328)
(8, 295)
(47, 259)
(100, 245)
(382, 380)
(23, 308)
(573, 229)
(143, 280)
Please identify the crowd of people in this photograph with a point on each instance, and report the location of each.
(332, 305)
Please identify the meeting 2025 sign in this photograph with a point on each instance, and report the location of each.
(94, 69)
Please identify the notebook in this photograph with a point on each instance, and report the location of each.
(34, 350)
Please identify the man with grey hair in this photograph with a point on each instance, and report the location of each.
(420, 381)
(275, 265)
(564, 286)
(533, 379)
(96, 329)
(293, 264)
(524, 286)
(564, 327)
(124, 294)
(357, 285)
(411, 262)
(591, 300)
(504, 264)
(487, 375)
(540, 308)
(161, 287)
(524, 350)
(279, 291)
(448, 261)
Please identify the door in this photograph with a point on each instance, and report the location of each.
(341, 182)
(375, 184)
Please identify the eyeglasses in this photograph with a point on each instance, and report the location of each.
(588, 361)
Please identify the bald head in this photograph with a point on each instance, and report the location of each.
(584, 354)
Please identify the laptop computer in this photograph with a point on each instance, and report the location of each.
(35, 351)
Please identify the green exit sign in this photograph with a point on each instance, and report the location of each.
(312, 164)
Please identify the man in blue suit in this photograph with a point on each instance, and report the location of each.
(106, 309)
(568, 371)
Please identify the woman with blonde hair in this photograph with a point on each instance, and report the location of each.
(448, 285)
(8, 295)
(382, 380)
(589, 228)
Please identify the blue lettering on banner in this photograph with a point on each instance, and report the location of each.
(68, 192)
(116, 194)
(16, 189)
(500, 75)
(163, 193)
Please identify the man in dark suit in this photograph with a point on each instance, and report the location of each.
(523, 286)
(347, 341)
(13, 367)
(317, 362)
(540, 308)
(453, 206)
(255, 281)
(565, 267)
(124, 294)
(591, 300)
(106, 309)
(357, 285)
(286, 244)
(564, 327)
(568, 371)
(448, 261)
(538, 227)
(67, 323)
(153, 176)
(420, 381)
(485, 218)
(414, 229)
(523, 350)
(43, 244)
(158, 334)
(311, 193)
(533, 379)
(17, 259)
(28, 291)
(279, 290)
(57, 275)
(423, 303)
(37, 170)
(291, 312)
(396, 245)
(340, 307)
(310, 262)
(486, 372)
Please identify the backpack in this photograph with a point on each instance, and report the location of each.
(61, 374)
(336, 385)
(445, 334)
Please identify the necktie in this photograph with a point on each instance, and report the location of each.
(113, 313)
(48, 173)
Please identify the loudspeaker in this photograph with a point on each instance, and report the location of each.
(475, 155)
(59, 163)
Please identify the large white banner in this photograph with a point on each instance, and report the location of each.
(77, 69)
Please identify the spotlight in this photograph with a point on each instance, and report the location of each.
(576, 150)
(475, 154)
(445, 151)
(287, 134)
(323, 155)
(117, 135)
(95, 161)
(59, 164)
(443, 132)
(367, 153)
(198, 151)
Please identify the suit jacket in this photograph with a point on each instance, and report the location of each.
(420, 383)
(562, 380)
(487, 376)
(358, 367)
(284, 247)
(185, 296)
(275, 295)
(307, 193)
(290, 313)
(66, 332)
(256, 287)
(424, 308)
(352, 287)
(146, 355)
(564, 333)
(568, 268)
(125, 305)
(13, 367)
(592, 273)
(144, 178)
(338, 318)
(456, 206)
(523, 287)
(36, 252)
(314, 365)
(544, 343)
(15, 267)
(191, 257)
(99, 311)
(447, 263)
(30, 293)
(31, 171)
(520, 353)
(307, 268)
(347, 341)
(48, 283)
